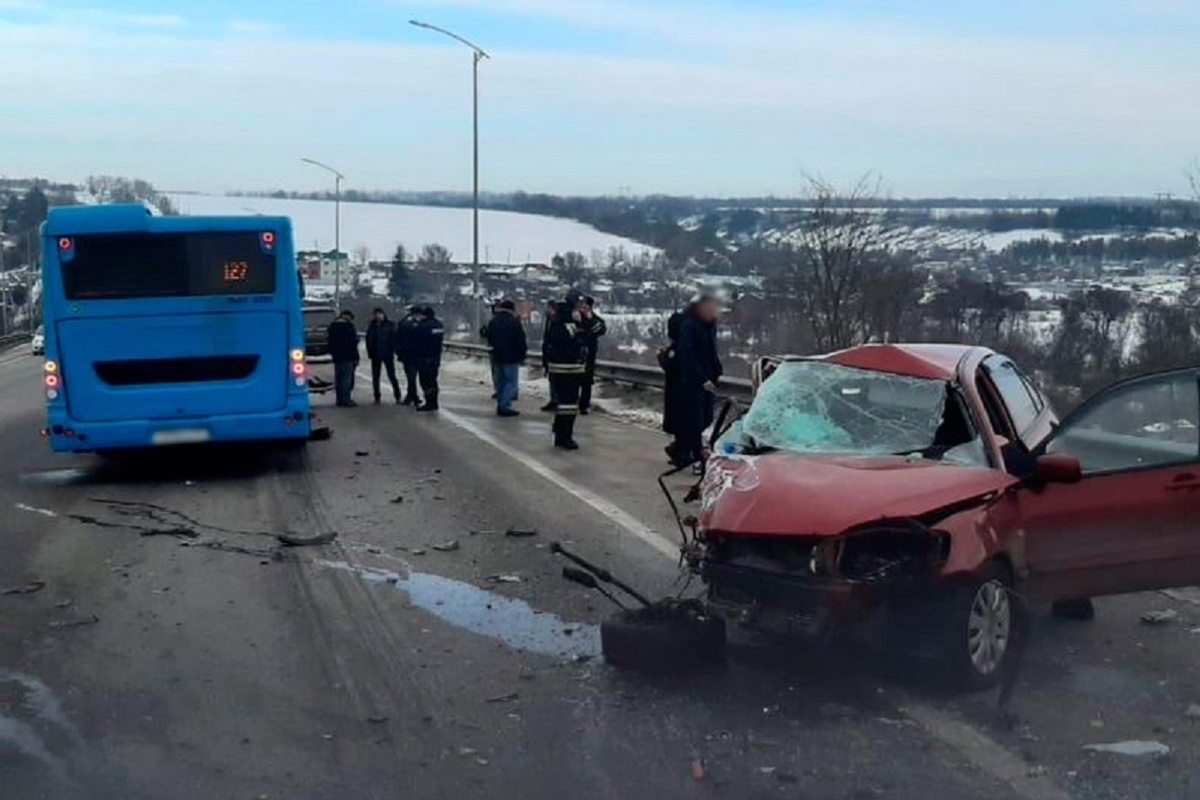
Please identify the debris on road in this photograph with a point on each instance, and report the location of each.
(361, 453)
(466, 751)
(33, 587)
(447, 547)
(45, 512)
(504, 578)
(698, 770)
(75, 623)
(1134, 747)
(1193, 711)
(505, 698)
(178, 533)
(521, 533)
(398, 499)
(377, 719)
(417, 551)
(1160, 617)
(297, 541)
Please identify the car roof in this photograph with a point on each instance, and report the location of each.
(932, 361)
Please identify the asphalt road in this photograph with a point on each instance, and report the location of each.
(176, 652)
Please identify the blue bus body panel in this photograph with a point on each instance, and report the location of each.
(96, 341)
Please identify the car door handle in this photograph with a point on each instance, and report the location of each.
(1186, 481)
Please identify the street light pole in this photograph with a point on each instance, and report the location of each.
(478, 54)
(337, 229)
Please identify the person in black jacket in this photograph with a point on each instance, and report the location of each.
(406, 352)
(506, 336)
(428, 337)
(343, 349)
(381, 349)
(566, 363)
(668, 360)
(699, 372)
(593, 328)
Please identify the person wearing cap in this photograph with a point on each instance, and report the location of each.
(381, 349)
(343, 349)
(505, 336)
(699, 371)
(428, 337)
(406, 352)
(594, 327)
(566, 363)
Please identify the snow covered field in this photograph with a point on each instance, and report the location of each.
(504, 237)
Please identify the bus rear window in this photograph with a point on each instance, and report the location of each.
(133, 265)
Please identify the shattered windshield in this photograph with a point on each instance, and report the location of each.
(819, 407)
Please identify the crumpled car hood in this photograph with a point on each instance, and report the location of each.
(782, 494)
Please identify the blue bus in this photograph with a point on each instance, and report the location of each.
(170, 330)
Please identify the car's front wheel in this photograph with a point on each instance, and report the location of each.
(982, 629)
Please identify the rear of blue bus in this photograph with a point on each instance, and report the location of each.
(168, 331)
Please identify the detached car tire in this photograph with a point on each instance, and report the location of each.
(668, 637)
(982, 627)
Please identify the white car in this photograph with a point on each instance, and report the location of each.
(37, 345)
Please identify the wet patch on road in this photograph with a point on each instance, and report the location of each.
(32, 718)
(513, 622)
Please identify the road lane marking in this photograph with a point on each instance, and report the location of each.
(16, 360)
(977, 748)
(608, 509)
(45, 512)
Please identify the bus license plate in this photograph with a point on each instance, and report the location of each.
(182, 436)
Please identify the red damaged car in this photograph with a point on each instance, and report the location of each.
(899, 492)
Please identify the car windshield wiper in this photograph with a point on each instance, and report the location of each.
(755, 448)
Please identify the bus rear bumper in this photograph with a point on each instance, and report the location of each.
(71, 436)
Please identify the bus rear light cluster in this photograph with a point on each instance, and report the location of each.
(51, 380)
(299, 367)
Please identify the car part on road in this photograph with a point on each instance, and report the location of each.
(301, 541)
(33, 587)
(668, 637)
(599, 572)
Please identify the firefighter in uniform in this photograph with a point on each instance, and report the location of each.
(566, 363)
(429, 335)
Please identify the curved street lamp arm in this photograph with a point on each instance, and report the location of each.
(479, 51)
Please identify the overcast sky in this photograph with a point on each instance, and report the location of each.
(942, 97)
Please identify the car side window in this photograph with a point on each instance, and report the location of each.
(1024, 403)
(1146, 423)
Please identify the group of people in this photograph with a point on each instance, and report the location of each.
(415, 341)
(570, 344)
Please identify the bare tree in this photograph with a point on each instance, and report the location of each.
(849, 258)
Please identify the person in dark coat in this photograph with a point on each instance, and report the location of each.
(699, 372)
(505, 336)
(381, 349)
(428, 336)
(668, 360)
(593, 328)
(406, 352)
(343, 349)
(566, 363)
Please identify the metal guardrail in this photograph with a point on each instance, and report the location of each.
(640, 375)
(14, 338)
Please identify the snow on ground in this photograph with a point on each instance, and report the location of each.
(996, 242)
(504, 237)
(641, 408)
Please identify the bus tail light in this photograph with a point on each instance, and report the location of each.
(299, 367)
(51, 380)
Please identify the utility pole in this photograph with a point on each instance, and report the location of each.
(478, 54)
(337, 229)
